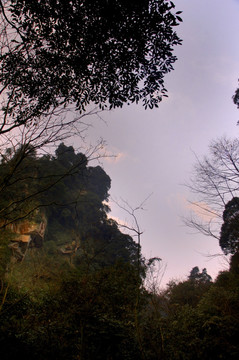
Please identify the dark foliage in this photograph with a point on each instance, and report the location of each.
(72, 197)
(75, 296)
(194, 320)
(106, 52)
(229, 237)
(236, 97)
(91, 316)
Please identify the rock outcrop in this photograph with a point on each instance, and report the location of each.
(27, 233)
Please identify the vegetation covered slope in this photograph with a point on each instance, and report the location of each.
(79, 293)
(74, 294)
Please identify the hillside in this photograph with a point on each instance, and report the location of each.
(72, 284)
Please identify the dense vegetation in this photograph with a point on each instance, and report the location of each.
(76, 291)
(80, 293)
(60, 52)
(74, 294)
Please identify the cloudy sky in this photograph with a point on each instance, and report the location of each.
(156, 148)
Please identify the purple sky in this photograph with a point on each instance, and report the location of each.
(156, 147)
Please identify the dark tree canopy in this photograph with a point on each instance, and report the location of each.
(236, 98)
(200, 277)
(72, 197)
(229, 237)
(189, 292)
(102, 52)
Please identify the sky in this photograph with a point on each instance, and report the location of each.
(156, 148)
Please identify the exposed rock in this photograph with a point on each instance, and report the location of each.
(70, 249)
(24, 229)
(27, 233)
(16, 251)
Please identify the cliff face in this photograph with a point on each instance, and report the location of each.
(27, 233)
(26, 229)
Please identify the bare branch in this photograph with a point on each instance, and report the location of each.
(214, 183)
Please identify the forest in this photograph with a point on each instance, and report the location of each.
(74, 283)
(77, 289)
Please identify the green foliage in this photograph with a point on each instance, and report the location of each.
(77, 296)
(81, 295)
(90, 315)
(189, 292)
(194, 319)
(40, 272)
(70, 197)
(219, 310)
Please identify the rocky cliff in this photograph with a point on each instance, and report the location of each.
(27, 233)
